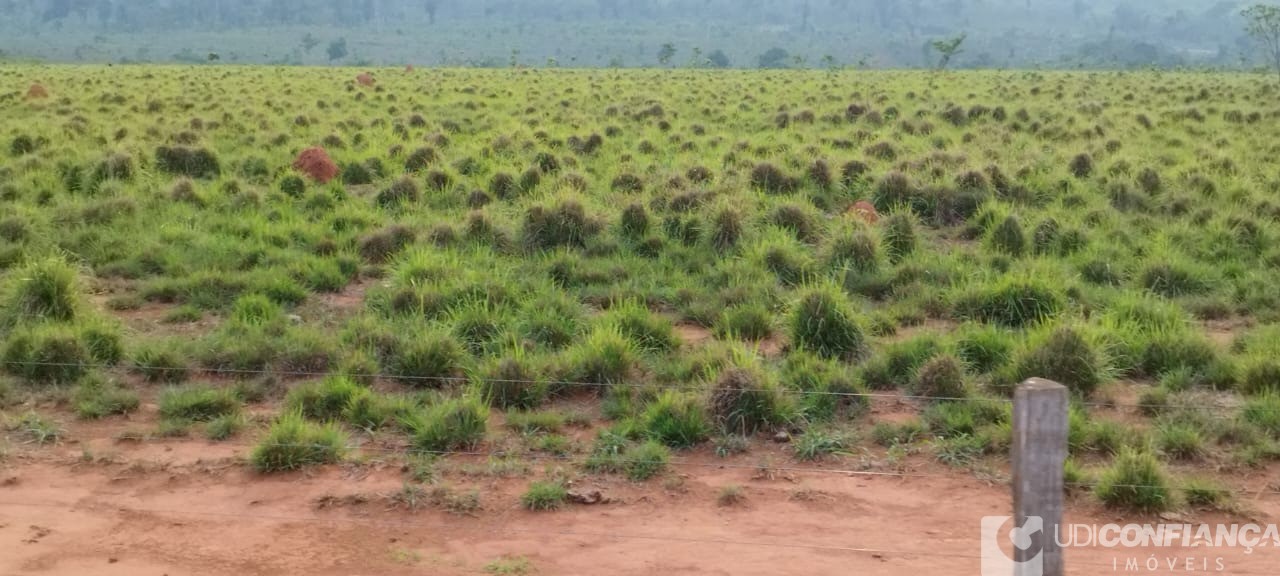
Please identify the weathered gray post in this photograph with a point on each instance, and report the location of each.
(1039, 450)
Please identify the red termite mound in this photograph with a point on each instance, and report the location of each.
(865, 211)
(37, 91)
(365, 79)
(316, 164)
(408, 68)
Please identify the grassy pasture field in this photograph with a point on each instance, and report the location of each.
(616, 270)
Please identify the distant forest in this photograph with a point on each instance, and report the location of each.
(627, 33)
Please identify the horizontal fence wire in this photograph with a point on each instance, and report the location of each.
(506, 528)
(598, 385)
(764, 467)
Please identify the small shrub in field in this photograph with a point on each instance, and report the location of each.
(634, 222)
(947, 419)
(855, 250)
(535, 422)
(1206, 493)
(789, 264)
(198, 403)
(941, 377)
(254, 310)
(325, 400)
(749, 321)
(22, 144)
(293, 186)
(186, 161)
(894, 191)
(1135, 481)
(1263, 411)
(552, 321)
(225, 426)
(401, 192)
(726, 229)
(1180, 440)
(37, 429)
(959, 451)
(605, 356)
(511, 383)
(294, 443)
(795, 220)
(356, 174)
(822, 323)
(1172, 280)
(1260, 375)
(316, 164)
(817, 444)
(646, 461)
(1066, 357)
(676, 420)
(421, 159)
(47, 354)
(1008, 237)
(544, 496)
(43, 290)
(456, 424)
(898, 366)
(116, 166)
(647, 331)
(428, 359)
(984, 349)
(731, 496)
(898, 236)
(889, 434)
(565, 224)
(161, 362)
(770, 179)
(1081, 166)
(381, 246)
(98, 398)
(1012, 302)
(744, 402)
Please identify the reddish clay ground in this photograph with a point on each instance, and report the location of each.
(189, 507)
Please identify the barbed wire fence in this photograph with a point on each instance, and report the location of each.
(1059, 487)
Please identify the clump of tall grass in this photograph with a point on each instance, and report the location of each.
(744, 401)
(823, 323)
(1013, 301)
(294, 443)
(43, 290)
(1135, 481)
(676, 420)
(1065, 355)
(456, 424)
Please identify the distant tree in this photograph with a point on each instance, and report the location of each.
(696, 60)
(829, 62)
(337, 49)
(432, 6)
(666, 53)
(309, 43)
(948, 48)
(718, 59)
(1263, 25)
(213, 57)
(774, 58)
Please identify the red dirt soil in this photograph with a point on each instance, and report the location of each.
(189, 508)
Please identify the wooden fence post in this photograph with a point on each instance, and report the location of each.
(1039, 451)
